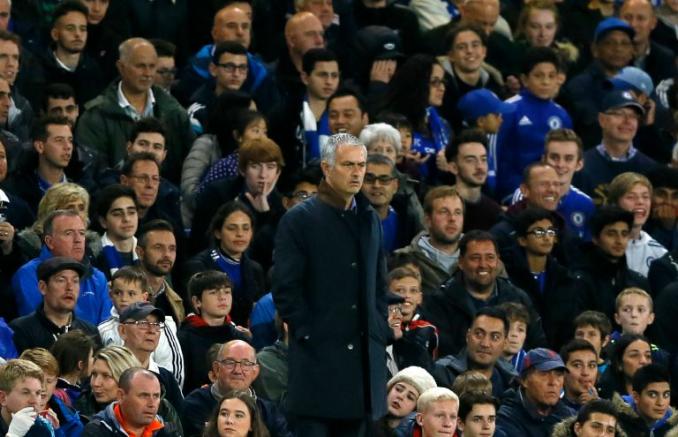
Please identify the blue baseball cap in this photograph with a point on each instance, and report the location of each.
(609, 24)
(621, 99)
(633, 78)
(480, 102)
(542, 359)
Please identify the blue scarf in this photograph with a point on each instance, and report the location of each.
(440, 137)
(229, 266)
(315, 132)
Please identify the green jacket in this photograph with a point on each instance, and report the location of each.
(105, 126)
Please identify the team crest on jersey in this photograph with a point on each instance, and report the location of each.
(554, 122)
(577, 218)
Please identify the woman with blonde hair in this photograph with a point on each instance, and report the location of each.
(68, 196)
(109, 364)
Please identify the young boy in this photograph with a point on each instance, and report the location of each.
(634, 313)
(211, 294)
(117, 214)
(521, 138)
(21, 388)
(519, 319)
(406, 283)
(648, 410)
(127, 286)
(594, 327)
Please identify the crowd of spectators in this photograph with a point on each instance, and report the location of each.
(338, 218)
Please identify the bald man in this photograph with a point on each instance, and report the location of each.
(232, 23)
(657, 61)
(108, 119)
(303, 32)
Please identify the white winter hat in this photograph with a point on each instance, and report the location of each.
(417, 377)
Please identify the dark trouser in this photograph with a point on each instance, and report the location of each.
(320, 427)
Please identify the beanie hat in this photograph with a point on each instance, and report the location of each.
(417, 377)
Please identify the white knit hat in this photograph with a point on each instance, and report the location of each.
(417, 377)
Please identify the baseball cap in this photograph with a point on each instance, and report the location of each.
(480, 102)
(633, 78)
(139, 311)
(58, 263)
(378, 42)
(609, 24)
(620, 99)
(542, 359)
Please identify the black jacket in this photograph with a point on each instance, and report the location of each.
(85, 80)
(196, 337)
(36, 330)
(663, 271)
(557, 304)
(603, 280)
(329, 286)
(452, 312)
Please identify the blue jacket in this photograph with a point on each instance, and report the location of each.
(69, 419)
(93, 305)
(521, 137)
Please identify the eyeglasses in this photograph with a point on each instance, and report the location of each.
(541, 232)
(146, 325)
(384, 179)
(230, 67)
(146, 179)
(435, 82)
(303, 195)
(166, 71)
(245, 365)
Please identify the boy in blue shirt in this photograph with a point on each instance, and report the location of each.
(521, 138)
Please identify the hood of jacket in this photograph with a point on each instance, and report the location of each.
(565, 429)
(625, 406)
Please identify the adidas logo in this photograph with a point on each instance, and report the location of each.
(525, 121)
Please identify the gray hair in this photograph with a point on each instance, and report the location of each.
(126, 48)
(48, 224)
(328, 152)
(380, 132)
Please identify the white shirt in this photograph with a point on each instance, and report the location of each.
(168, 353)
(641, 252)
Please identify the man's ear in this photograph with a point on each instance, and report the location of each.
(39, 146)
(212, 69)
(419, 418)
(605, 342)
(617, 319)
(650, 319)
(42, 287)
(304, 78)
(452, 166)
